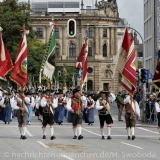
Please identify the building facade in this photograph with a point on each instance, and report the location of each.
(150, 54)
(102, 43)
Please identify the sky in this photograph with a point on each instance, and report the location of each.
(132, 10)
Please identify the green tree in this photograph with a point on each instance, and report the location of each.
(13, 17)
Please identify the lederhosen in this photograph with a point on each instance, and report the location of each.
(47, 114)
(22, 115)
(130, 115)
(77, 115)
(104, 116)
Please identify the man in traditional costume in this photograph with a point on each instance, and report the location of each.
(74, 105)
(103, 107)
(22, 113)
(47, 105)
(132, 109)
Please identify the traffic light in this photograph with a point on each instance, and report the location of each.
(71, 27)
(143, 75)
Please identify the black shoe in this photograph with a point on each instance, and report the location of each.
(129, 137)
(133, 137)
(44, 137)
(21, 137)
(103, 137)
(53, 137)
(75, 137)
(24, 137)
(80, 137)
(109, 137)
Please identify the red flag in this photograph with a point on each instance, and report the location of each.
(82, 63)
(128, 81)
(123, 51)
(5, 59)
(156, 77)
(19, 73)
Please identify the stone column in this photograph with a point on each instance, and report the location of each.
(112, 42)
(64, 42)
(96, 41)
(100, 42)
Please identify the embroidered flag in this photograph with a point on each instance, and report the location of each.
(5, 60)
(48, 63)
(156, 77)
(82, 63)
(123, 51)
(128, 81)
(19, 74)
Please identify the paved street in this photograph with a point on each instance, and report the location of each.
(92, 147)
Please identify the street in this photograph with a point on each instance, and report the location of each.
(92, 147)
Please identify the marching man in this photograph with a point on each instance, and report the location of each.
(74, 105)
(132, 109)
(46, 104)
(103, 107)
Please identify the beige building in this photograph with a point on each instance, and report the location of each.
(102, 43)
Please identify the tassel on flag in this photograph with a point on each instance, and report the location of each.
(19, 74)
(5, 60)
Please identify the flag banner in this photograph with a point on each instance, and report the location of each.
(123, 51)
(5, 60)
(82, 63)
(19, 74)
(156, 77)
(128, 81)
(48, 64)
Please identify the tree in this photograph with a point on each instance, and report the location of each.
(13, 17)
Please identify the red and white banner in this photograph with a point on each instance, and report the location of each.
(123, 51)
(19, 74)
(128, 81)
(5, 59)
(82, 63)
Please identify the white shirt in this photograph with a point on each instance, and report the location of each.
(157, 107)
(135, 105)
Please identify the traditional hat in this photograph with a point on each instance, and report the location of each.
(105, 92)
(77, 89)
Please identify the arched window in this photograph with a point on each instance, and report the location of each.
(104, 50)
(90, 85)
(72, 50)
(89, 51)
(57, 50)
(89, 33)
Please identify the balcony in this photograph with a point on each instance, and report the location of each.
(89, 12)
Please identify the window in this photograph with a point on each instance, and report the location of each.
(90, 33)
(105, 86)
(57, 32)
(90, 85)
(71, 4)
(104, 50)
(89, 70)
(55, 5)
(72, 50)
(88, 9)
(89, 51)
(39, 33)
(57, 50)
(104, 32)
